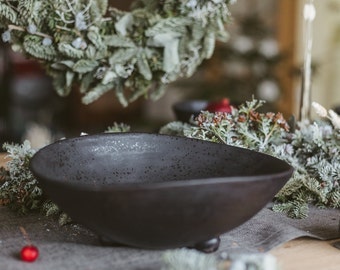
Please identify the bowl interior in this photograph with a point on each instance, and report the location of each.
(137, 158)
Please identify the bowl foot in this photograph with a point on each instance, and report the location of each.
(208, 246)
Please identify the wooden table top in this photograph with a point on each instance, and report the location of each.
(299, 254)
(2, 160)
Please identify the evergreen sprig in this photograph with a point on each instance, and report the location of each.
(313, 149)
(100, 48)
(189, 259)
(19, 190)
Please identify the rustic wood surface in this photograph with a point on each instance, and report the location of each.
(2, 160)
(306, 253)
(299, 254)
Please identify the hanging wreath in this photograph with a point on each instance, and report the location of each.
(100, 48)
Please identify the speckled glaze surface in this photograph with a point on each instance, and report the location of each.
(156, 191)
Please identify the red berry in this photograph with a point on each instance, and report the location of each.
(219, 106)
(29, 253)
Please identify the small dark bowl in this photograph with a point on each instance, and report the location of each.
(156, 191)
(185, 109)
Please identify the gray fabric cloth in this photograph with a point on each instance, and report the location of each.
(74, 247)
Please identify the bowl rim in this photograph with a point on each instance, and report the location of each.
(154, 185)
(182, 105)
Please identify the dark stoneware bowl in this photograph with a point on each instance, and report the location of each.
(155, 191)
(185, 109)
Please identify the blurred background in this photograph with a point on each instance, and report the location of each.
(263, 58)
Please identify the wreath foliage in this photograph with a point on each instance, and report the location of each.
(100, 48)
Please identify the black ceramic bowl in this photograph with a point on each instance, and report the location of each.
(155, 191)
(185, 109)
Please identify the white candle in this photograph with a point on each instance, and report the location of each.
(309, 14)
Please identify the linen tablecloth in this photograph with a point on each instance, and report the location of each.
(74, 247)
